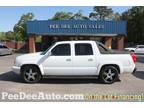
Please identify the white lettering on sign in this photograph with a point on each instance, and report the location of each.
(76, 26)
(65, 26)
(54, 26)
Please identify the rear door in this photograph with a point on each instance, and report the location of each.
(84, 61)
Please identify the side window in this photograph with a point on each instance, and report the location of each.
(83, 49)
(61, 50)
(140, 46)
(4, 46)
(1, 46)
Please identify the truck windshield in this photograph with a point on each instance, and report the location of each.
(44, 52)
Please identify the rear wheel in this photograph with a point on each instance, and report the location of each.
(108, 74)
(31, 74)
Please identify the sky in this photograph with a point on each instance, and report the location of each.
(9, 16)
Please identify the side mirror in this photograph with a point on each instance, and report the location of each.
(49, 54)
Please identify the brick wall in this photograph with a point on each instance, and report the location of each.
(14, 45)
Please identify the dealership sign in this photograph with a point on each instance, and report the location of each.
(75, 27)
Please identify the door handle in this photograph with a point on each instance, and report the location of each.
(68, 59)
(90, 59)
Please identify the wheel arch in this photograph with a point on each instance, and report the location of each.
(31, 65)
(114, 65)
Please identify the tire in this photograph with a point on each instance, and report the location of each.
(108, 74)
(31, 74)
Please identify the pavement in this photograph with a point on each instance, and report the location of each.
(128, 84)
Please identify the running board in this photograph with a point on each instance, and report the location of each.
(70, 76)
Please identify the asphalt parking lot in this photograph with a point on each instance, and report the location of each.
(129, 83)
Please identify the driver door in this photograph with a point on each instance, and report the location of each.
(60, 61)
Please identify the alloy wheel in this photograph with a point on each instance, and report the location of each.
(31, 74)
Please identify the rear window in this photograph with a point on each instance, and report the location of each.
(1, 46)
(103, 49)
(140, 46)
(5, 47)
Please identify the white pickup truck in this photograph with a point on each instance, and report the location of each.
(75, 59)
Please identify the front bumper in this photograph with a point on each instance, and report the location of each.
(16, 70)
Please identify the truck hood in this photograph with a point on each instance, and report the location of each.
(29, 58)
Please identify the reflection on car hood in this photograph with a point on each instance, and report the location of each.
(30, 56)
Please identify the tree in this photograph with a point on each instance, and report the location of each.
(79, 16)
(20, 27)
(101, 13)
(2, 36)
(135, 23)
(69, 16)
(115, 16)
(62, 16)
(9, 36)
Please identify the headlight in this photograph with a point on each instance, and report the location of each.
(16, 63)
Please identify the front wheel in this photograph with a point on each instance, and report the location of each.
(31, 74)
(108, 74)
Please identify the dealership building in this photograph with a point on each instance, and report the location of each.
(111, 33)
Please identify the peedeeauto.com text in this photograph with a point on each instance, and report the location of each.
(41, 96)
